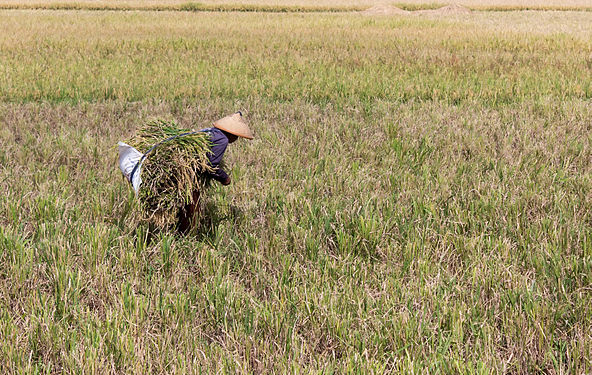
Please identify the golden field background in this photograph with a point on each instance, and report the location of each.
(307, 4)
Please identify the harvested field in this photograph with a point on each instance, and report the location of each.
(389, 10)
(299, 5)
(309, 3)
(448, 9)
(385, 10)
(417, 199)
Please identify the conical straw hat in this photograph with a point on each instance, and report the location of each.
(234, 124)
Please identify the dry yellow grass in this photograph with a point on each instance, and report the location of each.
(362, 4)
(21, 27)
(476, 3)
(569, 23)
(507, 3)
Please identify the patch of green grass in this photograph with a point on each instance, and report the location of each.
(418, 6)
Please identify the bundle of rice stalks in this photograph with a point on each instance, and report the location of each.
(171, 171)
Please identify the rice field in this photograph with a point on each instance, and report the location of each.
(294, 5)
(417, 198)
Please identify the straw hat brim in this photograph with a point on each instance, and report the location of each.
(234, 124)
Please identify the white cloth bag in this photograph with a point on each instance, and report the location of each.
(129, 157)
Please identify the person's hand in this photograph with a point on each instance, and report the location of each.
(226, 182)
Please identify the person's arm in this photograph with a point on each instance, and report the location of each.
(219, 144)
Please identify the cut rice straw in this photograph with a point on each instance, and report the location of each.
(172, 171)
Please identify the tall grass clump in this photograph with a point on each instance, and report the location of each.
(172, 171)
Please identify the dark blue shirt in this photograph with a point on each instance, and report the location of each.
(219, 144)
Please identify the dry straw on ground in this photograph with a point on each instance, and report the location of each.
(509, 4)
(390, 10)
(448, 9)
(385, 10)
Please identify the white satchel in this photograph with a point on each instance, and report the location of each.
(130, 159)
(130, 163)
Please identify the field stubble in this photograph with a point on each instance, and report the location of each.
(417, 198)
(293, 5)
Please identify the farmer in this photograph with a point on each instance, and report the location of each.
(225, 131)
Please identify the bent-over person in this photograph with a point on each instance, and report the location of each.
(225, 131)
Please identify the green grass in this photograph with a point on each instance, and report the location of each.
(417, 198)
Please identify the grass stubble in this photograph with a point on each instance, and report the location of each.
(293, 5)
(417, 198)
